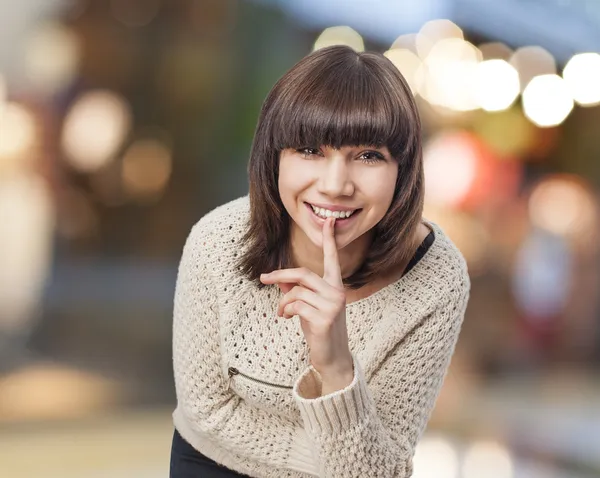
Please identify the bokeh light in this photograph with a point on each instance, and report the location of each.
(94, 129)
(28, 219)
(495, 51)
(582, 75)
(488, 459)
(435, 457)
(449, 75)
(450, 165)
(433, 32)
(408, 64)
(563, 205)
(542, 277)
(51, 58)
(146, 169)
(18, 132)
(497, 85)
(532, 61)
(68, 393)
(3, 93)
(508, 133)
(407, 41)
(547, 100)
(340, 35)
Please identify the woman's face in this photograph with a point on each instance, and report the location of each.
(357, 180)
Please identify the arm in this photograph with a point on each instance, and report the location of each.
(203, 394)
(373, 430)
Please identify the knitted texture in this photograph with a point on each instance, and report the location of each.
(247, 396)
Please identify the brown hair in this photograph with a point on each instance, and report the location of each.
(336, 97)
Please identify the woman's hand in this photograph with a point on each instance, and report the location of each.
(320, 302)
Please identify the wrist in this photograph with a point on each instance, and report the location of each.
(336, 378)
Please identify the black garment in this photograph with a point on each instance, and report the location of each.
(420, 252)
(187, 462)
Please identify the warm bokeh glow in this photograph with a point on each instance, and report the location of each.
(341, 35)
(94, 129)
(3, 93)
(435, 457)
(582, 74)
(17, 131)
(67, 393)
(26, 243)
(51, 58)
(495, 51)
(433, 32)
(409, 65)
(146, 169)
(449, 75)
(532, 61)
(497, 85)
(547, 100)
(564, 206)
(407, 41)
(508, 133)
(488, 459)
(450, 165)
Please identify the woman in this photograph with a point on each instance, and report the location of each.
(315, 319)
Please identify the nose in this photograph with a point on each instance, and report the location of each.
(336, 179)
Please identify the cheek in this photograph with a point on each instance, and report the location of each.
(381, 186)
(294, 176)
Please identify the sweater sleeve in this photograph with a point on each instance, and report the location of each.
(204, 398)
(372, 430)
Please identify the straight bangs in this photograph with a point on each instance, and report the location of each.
(352, 107)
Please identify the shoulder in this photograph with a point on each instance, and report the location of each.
(448, 266)
(220, 230)
(441, 278)
(222, 223)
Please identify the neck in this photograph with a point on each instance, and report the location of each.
(306, 254)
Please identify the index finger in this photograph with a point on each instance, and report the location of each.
(331, 263)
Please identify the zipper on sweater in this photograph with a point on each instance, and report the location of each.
(234, 371)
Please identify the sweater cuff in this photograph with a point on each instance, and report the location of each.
(302, 457)
(337, 411)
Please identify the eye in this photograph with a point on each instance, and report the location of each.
(371, 157)
(308, 151)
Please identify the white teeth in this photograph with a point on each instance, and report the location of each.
(325, 213)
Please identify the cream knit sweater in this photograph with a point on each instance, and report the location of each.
(243, 379)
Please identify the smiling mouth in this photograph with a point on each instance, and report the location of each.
(341, 216)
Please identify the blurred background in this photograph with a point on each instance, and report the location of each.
(123, 121)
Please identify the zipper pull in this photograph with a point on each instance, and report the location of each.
(233, 371)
